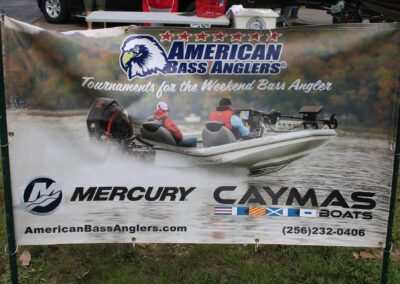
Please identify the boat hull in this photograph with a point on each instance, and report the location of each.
(268, 151)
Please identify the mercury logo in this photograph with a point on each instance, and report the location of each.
(42, 195)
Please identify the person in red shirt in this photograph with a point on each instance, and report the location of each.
(161, 113)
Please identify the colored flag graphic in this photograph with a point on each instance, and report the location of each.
(231, 211)
(243, 210)
(225, 210)
(308, 213)
(256, 211)
(293, 212)
(276, 212)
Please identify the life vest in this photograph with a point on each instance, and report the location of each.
(225, 117)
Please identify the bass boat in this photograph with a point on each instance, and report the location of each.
(274, 140)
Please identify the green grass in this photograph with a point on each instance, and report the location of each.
(177, 263)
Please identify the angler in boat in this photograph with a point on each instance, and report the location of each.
(160, 117)
(224, 114)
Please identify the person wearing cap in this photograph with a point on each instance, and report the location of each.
(225, 114)
(161, 113)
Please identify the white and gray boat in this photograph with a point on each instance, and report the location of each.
(274, 141)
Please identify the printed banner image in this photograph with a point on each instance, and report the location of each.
(185, 135)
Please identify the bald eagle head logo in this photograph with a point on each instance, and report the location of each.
(142, 56)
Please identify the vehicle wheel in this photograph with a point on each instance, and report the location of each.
(55, 11)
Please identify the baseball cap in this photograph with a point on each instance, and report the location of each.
(162, 105)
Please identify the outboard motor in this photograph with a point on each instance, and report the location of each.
(154, 130)
(107, 119)
(216, 133)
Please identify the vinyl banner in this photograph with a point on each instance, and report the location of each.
(182, 135)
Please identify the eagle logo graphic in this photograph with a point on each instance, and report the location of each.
(142, 56)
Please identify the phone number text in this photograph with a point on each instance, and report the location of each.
(326, 231)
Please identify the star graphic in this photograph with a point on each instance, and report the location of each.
(219, 36)
(166, 36)
(237, 36)
(184, 36)
(275, 36)
(202, 36)
(254, 36)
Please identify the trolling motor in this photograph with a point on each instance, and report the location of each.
(310, 114)
(331, 122)
(309, 117)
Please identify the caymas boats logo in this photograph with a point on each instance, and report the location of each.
(245, 54)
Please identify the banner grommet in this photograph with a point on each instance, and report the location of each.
(11, 135)
(6, 252)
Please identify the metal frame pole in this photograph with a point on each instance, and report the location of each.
(388, 247)
(6, 169)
